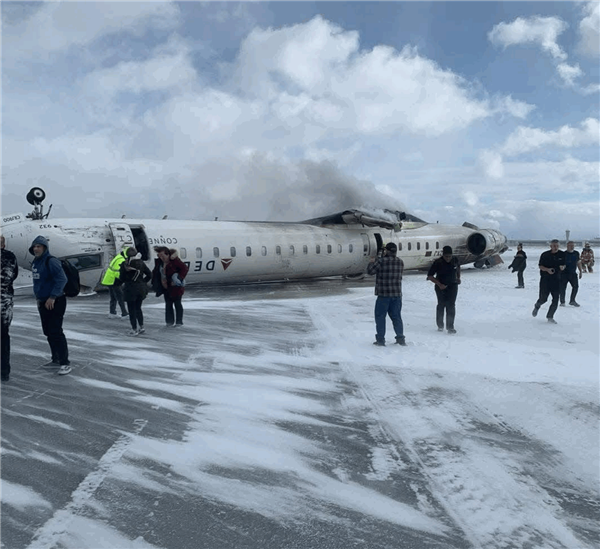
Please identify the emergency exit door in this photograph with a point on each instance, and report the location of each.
(122, 235)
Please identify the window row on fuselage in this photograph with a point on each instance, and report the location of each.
(291, 249)
(264, 251)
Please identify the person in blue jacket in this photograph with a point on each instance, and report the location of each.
(49, 281)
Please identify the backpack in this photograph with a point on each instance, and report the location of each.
(72, 286)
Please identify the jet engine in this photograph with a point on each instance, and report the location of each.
(485, 245)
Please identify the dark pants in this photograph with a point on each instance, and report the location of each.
(549, 286)
(171, 302)
(520, 280)
(136, 317)
(446, 302)
(52, 321)
(565, 279)
(116, 296)
(5, 342)
(5, 320)
(388, 306)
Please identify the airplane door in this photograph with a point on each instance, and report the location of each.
(366, 244)
(122, 235)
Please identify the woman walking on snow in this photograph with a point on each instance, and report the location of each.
(168, 279)
(135, 275)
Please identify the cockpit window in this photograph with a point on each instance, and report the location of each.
(85, 262)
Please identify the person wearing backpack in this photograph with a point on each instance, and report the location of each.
(135, 275)
(49, 281)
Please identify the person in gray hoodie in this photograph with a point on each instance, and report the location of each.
(49, 281)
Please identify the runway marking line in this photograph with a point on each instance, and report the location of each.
(49, 534)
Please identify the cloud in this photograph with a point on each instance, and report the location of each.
(59, 26)
(516, 108)
(470, 198)
(531, 217)
(162, 72)
(320, 73)
(543, 31)
(524, 139)
(589, 30)
(527, 191)
(492, 165)
(569, 73)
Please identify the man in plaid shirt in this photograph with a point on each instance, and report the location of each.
(388, 289)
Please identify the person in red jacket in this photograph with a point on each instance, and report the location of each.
(168, 280)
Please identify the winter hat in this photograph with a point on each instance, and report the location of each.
(446, 250)
(391, 247)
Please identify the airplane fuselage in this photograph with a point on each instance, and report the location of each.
(232, 252)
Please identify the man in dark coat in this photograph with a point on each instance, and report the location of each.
(519, 264)
(49, 281)
(552, 263)
(569, 275)
(445, 274)
(388, 288)
(10, 271)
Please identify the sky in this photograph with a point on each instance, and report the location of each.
(270, 420)
(485, 112)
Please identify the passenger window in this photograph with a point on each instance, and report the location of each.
(437, 245)
(305, 249)
(400, 246)
(339, 248)
(278, 250)
(216, 251)
(263, 250)
(409, 246)
(418, 245)
(232, 251)
(182, 253)
(427, 245)
(198, 253)
(328, 248)
(248, 251)
(350, 248)
(83, 262)
(318, 249)
(292, 250)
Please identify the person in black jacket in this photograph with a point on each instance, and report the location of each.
(135, 275)
(10, 271)
(519, 264)
(552, 263)
(445, 274)
(569, 276)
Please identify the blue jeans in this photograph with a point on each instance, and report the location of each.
(388, 306)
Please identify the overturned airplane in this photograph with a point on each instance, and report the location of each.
(234, 252)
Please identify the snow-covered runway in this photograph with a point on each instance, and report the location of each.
(271, 421)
